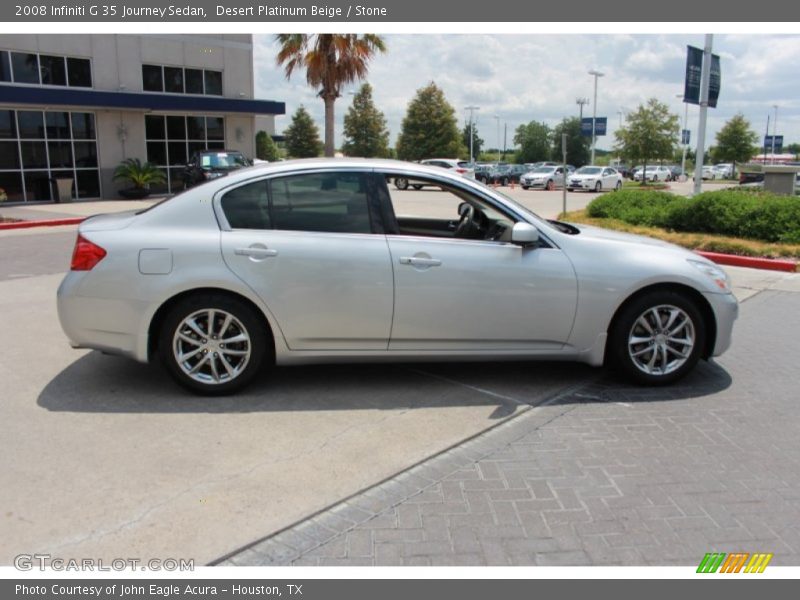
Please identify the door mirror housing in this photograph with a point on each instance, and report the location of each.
(524, 234)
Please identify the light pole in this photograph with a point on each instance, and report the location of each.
(471, 110)
(701, 125)
(774, 132)
(596, 74)
(497, 118)
(685, 126)
(580, 102)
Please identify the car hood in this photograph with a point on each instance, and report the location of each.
(598, 233)
(585, 176)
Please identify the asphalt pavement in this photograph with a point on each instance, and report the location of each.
(105, 457)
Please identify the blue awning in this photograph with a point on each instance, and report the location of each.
(71, 97)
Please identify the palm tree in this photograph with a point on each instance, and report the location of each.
(331, 61)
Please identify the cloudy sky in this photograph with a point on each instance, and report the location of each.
(521, 78)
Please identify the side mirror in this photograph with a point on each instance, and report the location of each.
(524, 234)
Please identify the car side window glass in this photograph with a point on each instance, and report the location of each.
(247, 206)
(323, 202)
(429, 208)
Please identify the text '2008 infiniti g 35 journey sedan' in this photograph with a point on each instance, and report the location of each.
(322, 261)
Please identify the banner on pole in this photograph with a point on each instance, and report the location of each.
(715, 81)
(694, 72)
(600, 126)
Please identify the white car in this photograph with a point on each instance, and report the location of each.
(455, 165)
(595, 179)
(710, 173)
(655, 173)
(545, 177)
(724, 170)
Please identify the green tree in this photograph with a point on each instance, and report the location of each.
(794, 148)
(736, 141)
(331, 61)
(534, 141)
(477, 142)
(365, 129)
(578, 151)
(302, 136)
(430, 128)
(266, 149)
(649, 133)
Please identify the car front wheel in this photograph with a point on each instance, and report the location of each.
(213, 344)
(401, 183)
(657, 338)
(598, 187)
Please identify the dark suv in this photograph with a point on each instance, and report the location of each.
(210, 164)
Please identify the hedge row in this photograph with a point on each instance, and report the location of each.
(739, 213)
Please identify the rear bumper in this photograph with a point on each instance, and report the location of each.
(105, 324)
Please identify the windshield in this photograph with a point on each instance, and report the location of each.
(223, 160)
(588, 171)
(542, 170)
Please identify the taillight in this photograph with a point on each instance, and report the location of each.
(461, 171)
(86, 255)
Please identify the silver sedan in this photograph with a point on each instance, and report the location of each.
(323, 261)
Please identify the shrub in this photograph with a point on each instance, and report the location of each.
(732, 212)
(635, 206)
(761, 216)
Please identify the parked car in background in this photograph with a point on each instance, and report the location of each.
(634, 171)
(724, 170)
(595, 179)
(675, 172)
(319, 261)
(211, 164)
(546, 177)
(654, 173)
(507, 174)
(462, 167)
(710, 173)
(482, 171)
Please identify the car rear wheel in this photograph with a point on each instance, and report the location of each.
(213, 344)
(618, 187)
(401, 183)
(657, 338)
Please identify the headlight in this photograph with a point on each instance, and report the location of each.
(713, 272)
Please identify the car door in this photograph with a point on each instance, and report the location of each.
(305, 243)
(609, 178)
(455, 294)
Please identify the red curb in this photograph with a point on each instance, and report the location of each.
(751, 262)
(47, 223)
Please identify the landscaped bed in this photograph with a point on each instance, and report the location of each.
(740, 222)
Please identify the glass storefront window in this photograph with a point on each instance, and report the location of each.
(36, 146)
(25, 67)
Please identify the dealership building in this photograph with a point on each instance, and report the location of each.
(75, 106)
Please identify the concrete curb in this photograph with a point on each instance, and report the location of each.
(750, 262)
(44, 223)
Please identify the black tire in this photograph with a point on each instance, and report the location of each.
(505, 181)
(570, 189)
(401, 183)
(618, 355)
(525, 187)
(598, 187)
(618, 187)
(417, 186)
(549, 186)
(245, 320)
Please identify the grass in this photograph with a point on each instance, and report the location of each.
(694, 241)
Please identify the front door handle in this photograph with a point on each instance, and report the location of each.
(420, 262)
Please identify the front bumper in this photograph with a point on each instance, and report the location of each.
(726, 311)
(582, 184)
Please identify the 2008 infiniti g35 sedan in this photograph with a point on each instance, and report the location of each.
(326, 260)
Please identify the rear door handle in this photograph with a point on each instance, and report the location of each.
(256, 252)
(420, 262)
